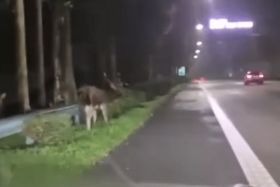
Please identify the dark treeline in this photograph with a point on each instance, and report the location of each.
(68, 44)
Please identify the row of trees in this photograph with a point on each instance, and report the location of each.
(139, 38)
(59, 70)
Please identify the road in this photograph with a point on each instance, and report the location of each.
(254, 110)
(217, 133)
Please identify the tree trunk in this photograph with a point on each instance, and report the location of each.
(40, 56)
(55, 53)
(112, 58)
(102, 65)
(22, 72)
(151, 68)
(70, 93)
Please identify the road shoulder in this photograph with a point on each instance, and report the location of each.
(182, 144)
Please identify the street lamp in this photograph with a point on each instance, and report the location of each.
(197, 51)
(195, 56)
(199, 43)
(199, 27)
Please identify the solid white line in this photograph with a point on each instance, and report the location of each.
(255, 172)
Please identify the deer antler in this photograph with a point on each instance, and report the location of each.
(106, 78)
(112, 85)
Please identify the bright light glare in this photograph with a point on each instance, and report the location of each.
(247, 24)
(218, 23)
(199, 27)
(195, 56)
(231, 25)
(197, 51)
(249, 76)
(225, 24)
(199, 43)
(261, 76)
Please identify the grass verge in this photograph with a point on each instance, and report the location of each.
(48, 165)
(12, 141)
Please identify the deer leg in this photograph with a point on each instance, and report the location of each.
(89, 122)
(88, 111)
(94, 113)
(104, 111)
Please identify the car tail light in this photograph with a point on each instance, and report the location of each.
(202, 78)
(195, 81)
(249, 76)
(261, 76)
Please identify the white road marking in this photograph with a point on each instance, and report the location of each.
(255, 172)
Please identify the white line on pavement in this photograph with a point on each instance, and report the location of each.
(255, 172)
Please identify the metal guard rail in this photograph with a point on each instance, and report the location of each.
(14, 125)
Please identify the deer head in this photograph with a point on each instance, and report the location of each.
(115, 87)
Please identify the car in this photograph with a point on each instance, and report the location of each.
(195, 81)
(202, 79)
(254, 77)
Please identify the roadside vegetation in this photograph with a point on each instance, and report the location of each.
(62, 150)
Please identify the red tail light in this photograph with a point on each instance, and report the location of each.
(261, 76)
(195, 81)
(202, 78)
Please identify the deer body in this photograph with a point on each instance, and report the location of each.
(93, 99)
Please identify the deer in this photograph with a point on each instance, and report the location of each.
(94, 99)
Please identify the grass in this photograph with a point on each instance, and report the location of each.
(49, 165)
(12, 141)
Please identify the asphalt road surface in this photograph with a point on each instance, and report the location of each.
(255, 112)
(217, 133)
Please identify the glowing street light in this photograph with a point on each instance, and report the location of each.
(199, 27)
(197, 51)
(195, 56)
(199, 43)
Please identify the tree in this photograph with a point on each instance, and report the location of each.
(22, 72)
(112, 58)
(40, 56)
(56, 40)
(70, 90)
(165, 11)
(108, 19)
